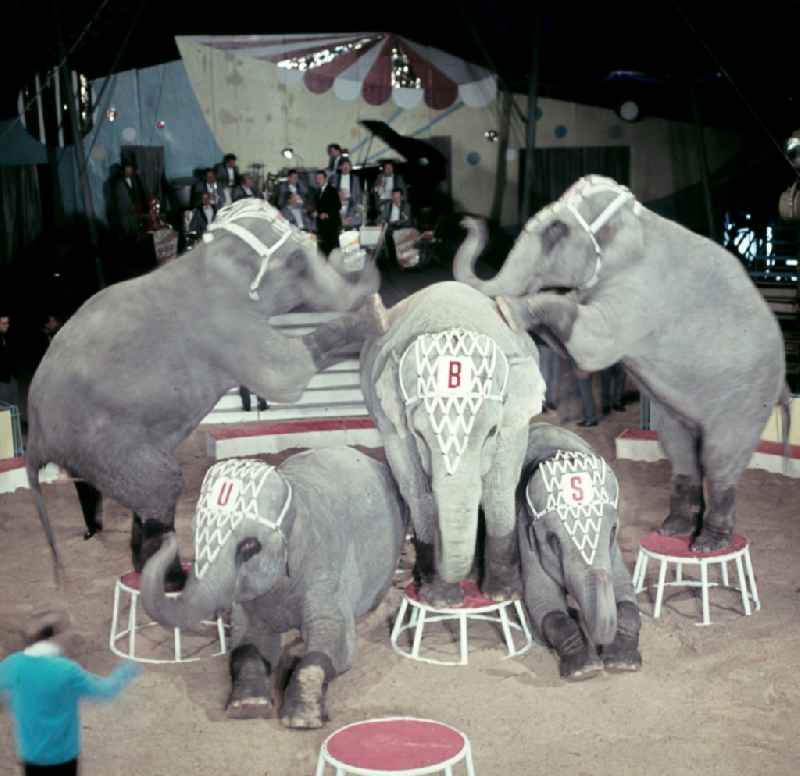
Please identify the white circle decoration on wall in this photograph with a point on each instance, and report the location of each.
(129, 134)
(629, 110)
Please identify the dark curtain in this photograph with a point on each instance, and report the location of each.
(149, 161)
(556, 169)
(20, 210)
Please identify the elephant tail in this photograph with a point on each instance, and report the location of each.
(32, 466)
(785, 401)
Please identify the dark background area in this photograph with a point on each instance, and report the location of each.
(741, 62)
(673, 44)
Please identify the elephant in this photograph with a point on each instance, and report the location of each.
(451, 389)
(311, 545)
(142, 362)
(567, 526)
(677, 310)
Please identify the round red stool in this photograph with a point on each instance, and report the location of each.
(676, 550)
(395, 746)
(129, 585)
(475, 607)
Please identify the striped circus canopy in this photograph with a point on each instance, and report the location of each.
(375, 66)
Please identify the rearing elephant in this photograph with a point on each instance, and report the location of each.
(451, 388)
(141, 363)
(680, 313)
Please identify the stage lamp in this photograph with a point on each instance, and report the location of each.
(629, 110)
(491, 135)
(111, 114)
(288, 152)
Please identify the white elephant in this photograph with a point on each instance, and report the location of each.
(681, 314)
(452, 388)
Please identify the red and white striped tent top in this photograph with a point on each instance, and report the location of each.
(364, 68)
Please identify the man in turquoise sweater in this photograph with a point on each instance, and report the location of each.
(43, 689)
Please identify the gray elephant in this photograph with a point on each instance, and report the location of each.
(451, 388)
(312, 544)
(141, 363)
(567, 526)
(680, 313)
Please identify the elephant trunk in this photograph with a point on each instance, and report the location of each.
(457, 503)
(513, 279)
(195, 604)
(594, 593)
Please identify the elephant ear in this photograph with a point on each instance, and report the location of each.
(387, 389)
(525, 391)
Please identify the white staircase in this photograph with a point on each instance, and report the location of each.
(334, 393)
(330, 412)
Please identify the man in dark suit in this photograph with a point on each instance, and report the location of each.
(211, 187)
(129, 200)
(329, 218)
(347, 180)
(202, 215)
(292, 185)
(245, 189)
(227, 178)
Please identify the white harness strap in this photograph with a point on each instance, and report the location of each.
(229, 494)
(586, 187)
(258, 209)
(576, 487)
(456, 371)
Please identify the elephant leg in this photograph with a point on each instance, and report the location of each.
(415, 487)
(91, 501)
(329, 634)
(501, 580)
(726, 452)
(546, 602)
(370, 320)
(577, 657)
(623, 654)
(255, 652)
(681, 444)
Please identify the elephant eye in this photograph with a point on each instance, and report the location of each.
(492, 432)
(613, 536)
(554, 544)
(552, 233)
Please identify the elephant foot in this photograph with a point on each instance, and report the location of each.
(250, 708)
(249, 698)
(577, 658)
(711, 539)
(441, 595)
(501, 593)
(678, 525)
(623, 655)
(502, 580)
(303, 703)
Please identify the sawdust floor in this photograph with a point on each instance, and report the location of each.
(717, 700)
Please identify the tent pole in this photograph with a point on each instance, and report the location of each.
(80, 159)
(704, 174)
(502, 156)
(530, 137)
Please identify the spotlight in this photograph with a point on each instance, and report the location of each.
(111, 114)
(161, 124)
(288, 152)
(491, 135)
(629, 110)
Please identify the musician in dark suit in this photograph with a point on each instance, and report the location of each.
(130, 200)
(202, 215)
(329, 219)
(346, 180)
(245, 189)
(292, 185)
(227, 176)
(208, 186)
